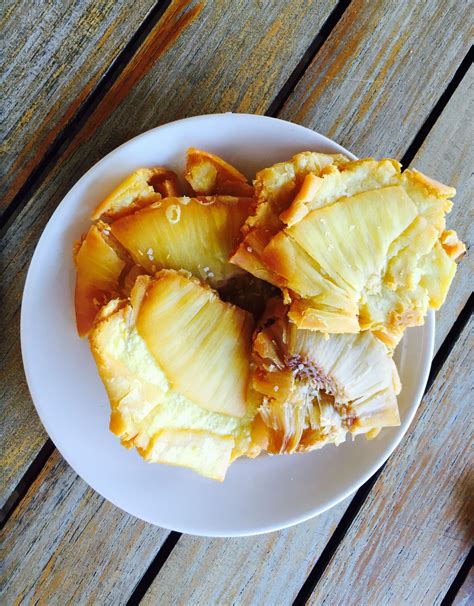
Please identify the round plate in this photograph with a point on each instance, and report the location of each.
(259, 495)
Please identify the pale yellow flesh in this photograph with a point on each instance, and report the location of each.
(98, 269)
(186, 233)
(149, 414)
(202, 344)
(369, 259)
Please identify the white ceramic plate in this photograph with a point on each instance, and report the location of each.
(257, 496)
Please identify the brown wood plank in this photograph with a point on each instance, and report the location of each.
(53, 57)
(224, 59)
(382, 69)
(415, 529)
(447, 152)
(71, 546)
(465, 595)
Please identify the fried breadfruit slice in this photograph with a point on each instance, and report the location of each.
(315, 389)
(202, 343)
(98, 271)
(275, 189)
(148, 413)
(195, 234)
(208, 175)
(140, 189)
(366, 250)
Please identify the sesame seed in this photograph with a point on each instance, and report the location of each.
(149, 251)
(249, 249)
(106, 232)
(276, 388)
(173, 213)
(272, 367)
(206, 269)
(210, 274)
(300, 366)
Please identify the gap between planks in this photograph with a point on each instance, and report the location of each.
(71, 129)
(74, 126)
(313, 49)
(459, 580)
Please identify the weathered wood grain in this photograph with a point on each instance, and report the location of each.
(380, 72)
(54, 54)
(227, 58)
(250, 570)
(128, 119)
(415, 529)
(465, 595)
(66, 545)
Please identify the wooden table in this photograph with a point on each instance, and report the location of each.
(381, 77)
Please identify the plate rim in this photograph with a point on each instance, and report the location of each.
(262, 529)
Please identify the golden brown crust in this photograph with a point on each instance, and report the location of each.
(98, 269)
(208, 174)
(140, 189)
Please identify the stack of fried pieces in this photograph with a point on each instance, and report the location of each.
(228, 319)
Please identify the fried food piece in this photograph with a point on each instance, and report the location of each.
(175, 364)
(195, 234)
(364, 250)
(315, 390)
(208, 174)
(142, 188)
(275, 189)
(98, 267)
(202, 343)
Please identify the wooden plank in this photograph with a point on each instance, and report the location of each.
(447, 153)
(250, 570)
(214, 64)
(71, 546)
(415, 529)
(53, 57)
(380, 72)
(465, 595)
(30, 223)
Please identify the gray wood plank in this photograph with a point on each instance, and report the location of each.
(66, 545)
(465, 595)
(415, 529)
(250, 570)
(212, 63)
(54, 54)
